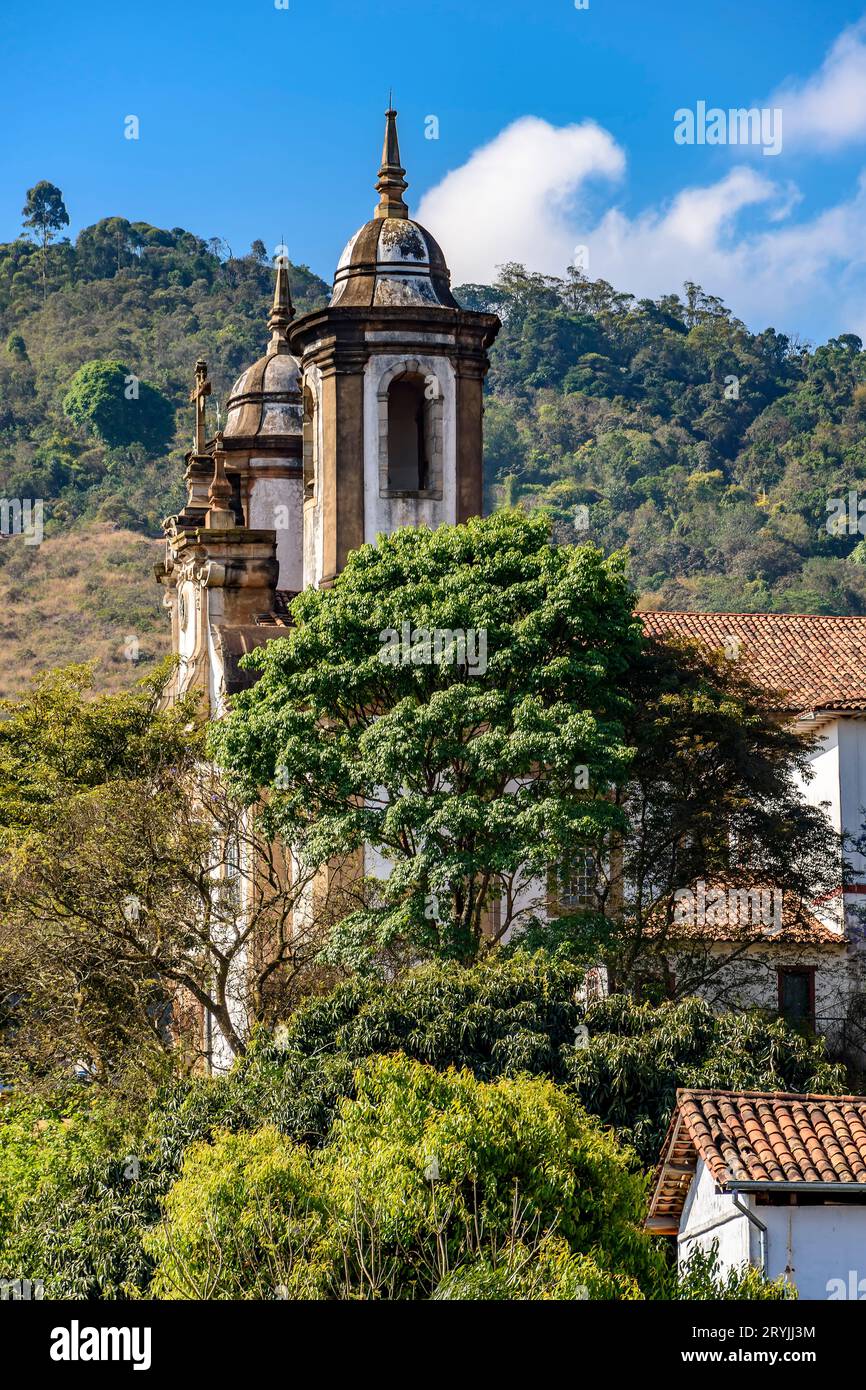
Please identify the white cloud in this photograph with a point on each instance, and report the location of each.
(524, 197)
(514, 199)
(808, 277)
(828, 110)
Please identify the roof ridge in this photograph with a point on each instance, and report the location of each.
(766, 1095)
(699, 613)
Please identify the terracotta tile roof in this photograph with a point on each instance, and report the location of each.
(765, 1137)
(816, 661)
(282, 600)
(738, 918)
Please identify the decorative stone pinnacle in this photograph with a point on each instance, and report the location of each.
(198, 398)
(220, 514)
(282, 310)
(391, 183)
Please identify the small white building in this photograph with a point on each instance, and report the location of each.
(773, 1180)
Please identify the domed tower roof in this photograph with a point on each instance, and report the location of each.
(391, 259)
(266, 402)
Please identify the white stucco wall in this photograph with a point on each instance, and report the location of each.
(814, 1247)
(824, 764)
(704, 1207)
(750, 981)
(277, 504)
(851, 737)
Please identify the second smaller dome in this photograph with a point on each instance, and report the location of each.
(266, 401)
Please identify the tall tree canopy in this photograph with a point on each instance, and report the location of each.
(575, 746)
(460, 774)
(44, 214)
(105, 397)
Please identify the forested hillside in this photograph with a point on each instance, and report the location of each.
(710, 451)
(151, 301)
(666, 426)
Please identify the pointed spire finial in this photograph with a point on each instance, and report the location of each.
(220, 514)
(391, 183)
(282, 309)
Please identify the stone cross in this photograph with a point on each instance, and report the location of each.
(199, 396)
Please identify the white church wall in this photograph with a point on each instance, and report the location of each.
(313, 510)
(852, 777)
(277, 504)
(823, 789)
(216, 674)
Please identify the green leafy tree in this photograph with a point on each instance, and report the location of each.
(459, 770)
(73, 1191)
(134, 888)
(62, 1000)
(108, 399)
(581, 751)
(17, 348)
(44, 214)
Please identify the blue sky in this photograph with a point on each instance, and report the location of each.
(555, 131)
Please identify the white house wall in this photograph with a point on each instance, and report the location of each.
(751, 982)
(820, 1249)
(815, 1245)
(710, 1216)
(823, 789)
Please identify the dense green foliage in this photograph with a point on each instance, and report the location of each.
(64, 755)
(423, 1173)
(419, 756)
(81, 1225)
(149, 298)
(501, 1018)
(710, 450)
(106, 398)
(489, 785)
(59, 740)
(76, 1198)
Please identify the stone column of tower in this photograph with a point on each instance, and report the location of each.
(392, 375)
(263, 440)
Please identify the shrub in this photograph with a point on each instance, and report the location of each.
(425, 1173)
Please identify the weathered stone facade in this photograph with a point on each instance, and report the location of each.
(359, 419)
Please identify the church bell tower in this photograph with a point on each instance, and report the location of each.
(392, 374)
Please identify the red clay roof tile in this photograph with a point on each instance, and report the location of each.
(758, 1136)
(816, 661)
